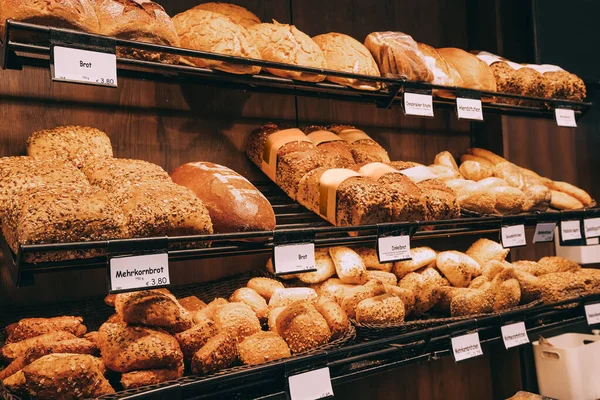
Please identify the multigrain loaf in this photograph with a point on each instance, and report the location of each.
(397, 54)
(218, 353)
(353, 298)
(382, 309)
(262, 347)
(286, 44)
(338, 152)
(346, 54)
(31, 327)
(70, 14)
(237, 320)
(141, 21)
(560, 84)
(196, 337)
(364, 149)
(215, 33)
(80, 145)
(237, 14)
(358, 200)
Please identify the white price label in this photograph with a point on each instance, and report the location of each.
(565, 117)
(570, 230)
(591, 227)
(311, 385)
(592, 313)
(393, 248)
(514, 335)
(466, 346)
(592, 241)
(418, 104)
(544, 232)
(139, 272)
(469, 109)
(513, 236)
(292, 258)
(84, 66)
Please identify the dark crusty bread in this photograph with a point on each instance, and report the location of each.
(70, 14)
(337, 150)
(80, 145)
(359, 200)
(234, 204)
(139, 20)
(364, 149)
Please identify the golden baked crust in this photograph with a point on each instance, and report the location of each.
(421, 257)
(194, 338)
(218, 353)
(572, 190)
(484, 250)
(475, 171)
(472, 301)
(457, 267)
(346, 54)
(273, 315)
(302, 327)
(324, 265)
(71, 14)
(364, 150)
(263, 347)
(237, 14)
(336, 318)
(338, 152)
(382, 309)
(561, 286)
(557, 264)
(563, 85)
(426, 285)
(80, 145)
(369, 257)
(192, 303)
(253, 300)
(443, 72)
(349, 266)
(237, 320)
(265, 286)
(386, 277)
(286, 44)
(31, 327)
(139, 20)
(285, 297)
(508, 295)
(352, 298)
(407, 296)
(209, 311)
(135, 379)
(475, 73)
(215, 33)
(11, 351)
(563, 201)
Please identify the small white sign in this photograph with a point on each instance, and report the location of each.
(393, 248)
(513, 236)
(514, 335)
(311, 385)
(570, 230)
(418, 104)
(469, 109)
(592, 313)
(466, 346)
(565, 117)
(292, 258)
(544, 232)
(84, 66)
(139, 272)
(591, 227)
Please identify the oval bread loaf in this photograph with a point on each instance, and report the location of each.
(382, 309)
(302, 327)
(421, 257)
(370, 289)
(253, 300)
(457, 267)
(349, 266)
(336, 318)
(262, 347)
(324, 265)
(284, 297)
(265, 286)
(484, 250)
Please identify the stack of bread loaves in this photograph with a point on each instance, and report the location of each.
(489, 184)
(346, 177)
(450, 283)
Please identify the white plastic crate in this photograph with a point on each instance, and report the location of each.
(570, 368)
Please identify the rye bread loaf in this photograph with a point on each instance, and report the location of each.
(234, 204)
(364, 149)
(358, 200)
(139, 20)
(337, 151)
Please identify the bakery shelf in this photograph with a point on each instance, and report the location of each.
(28, 44)
(291, 218)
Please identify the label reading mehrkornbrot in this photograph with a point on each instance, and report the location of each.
(139, 272)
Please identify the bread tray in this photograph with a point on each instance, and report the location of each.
(376, 331)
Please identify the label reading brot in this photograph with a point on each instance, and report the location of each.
(84, 66)
(469, 109)
(466, 346)
(293, 258)
(417, 104)
(513, 236)
(139, 272)
(544, 232)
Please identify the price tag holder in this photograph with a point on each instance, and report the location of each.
(513, 236)
(565, 117)
(311, 385)
(418, 104)
(592, 313)
(570, 230)
(393, 242)
(469, 109)
(544, 232)
(81, 58)
(591, 227)
(514, 335)
(294, 252)
(466, 346)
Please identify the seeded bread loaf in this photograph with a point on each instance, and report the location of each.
(80, 145)
(364, 149)
(337, 150)
(237, 14)
(212, 32)
(70, 14)
(139, 20)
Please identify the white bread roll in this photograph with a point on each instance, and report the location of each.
(457, 267)
(484, 250)
(265, 286)
(284, 297)
(349, 266)
(421, 257)
(337, 290)
(369, 257)
(253, 300)
(475, 171)
(370, 289)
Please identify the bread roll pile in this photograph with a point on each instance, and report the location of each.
(447, 283)
(489, 184)
(347, 178)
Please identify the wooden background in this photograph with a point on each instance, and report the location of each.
(170, 124)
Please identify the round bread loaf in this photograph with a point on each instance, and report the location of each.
(208, 312)
(238, 320)
(286, 44)
(303, 327)
(253, 300)
(70, 14)
(323, 264)
(382, 309)
(336, 318)
(208, 31)
(262, 347)
(237, 14)
(265, 286)
(508, 295)
(443, 72)
(484, 250)
(475, 73)
(139, 20)
(218, 353)
(284, 297)
(346, 54)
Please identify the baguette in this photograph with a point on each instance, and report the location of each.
(573, 191)
(563, 201)
(486, 154)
